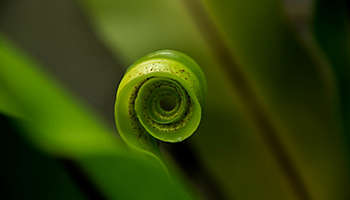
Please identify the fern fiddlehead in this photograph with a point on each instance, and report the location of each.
(160, 98)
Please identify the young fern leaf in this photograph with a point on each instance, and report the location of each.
(160, 98)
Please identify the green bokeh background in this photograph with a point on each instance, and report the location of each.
(61, 62)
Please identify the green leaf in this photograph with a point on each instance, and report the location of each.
(168, 91)
(331, 31)
(56, 123)
(295, 87)
(289, 82)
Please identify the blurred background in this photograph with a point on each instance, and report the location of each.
(277, 116)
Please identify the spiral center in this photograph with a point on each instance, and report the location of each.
(168, 103)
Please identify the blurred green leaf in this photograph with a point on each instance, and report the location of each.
(332, 31)
(56, 123)
(294, 85)
(289, 80)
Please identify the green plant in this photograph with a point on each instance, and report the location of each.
(276, 117)
(55, 123)
(161, 96)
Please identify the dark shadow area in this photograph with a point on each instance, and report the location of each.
(189, 162)
(27, 173)
(82, 180)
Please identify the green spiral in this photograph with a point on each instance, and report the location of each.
(160, 98)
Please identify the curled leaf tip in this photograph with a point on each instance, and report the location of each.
(160, 98)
